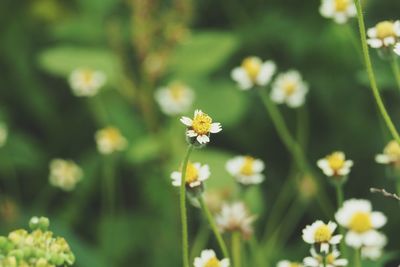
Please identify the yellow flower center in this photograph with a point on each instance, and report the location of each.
(295, 264)
(213, 262)
(202, 124)
(247, 167)
(392, 150)
(341, 5)
(322, 234)
(330, 258)
(252, 66)
(360, 222)
(192, 173)
(112, 134)
(177, 90)
(289, 88)
(385, 29)
(336, 161)
(87, 76)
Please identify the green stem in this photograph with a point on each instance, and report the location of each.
(214, 228)
(357, 258)
(185, 242)
(396, 70)
(200, 240)
(324, 261)
(371, 75)
(340, 198)
(109, 184)
(236, 249)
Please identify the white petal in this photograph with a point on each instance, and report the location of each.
(336, 239)
(353, 239)
(382, 159)
(215, 127)
(310, 261)
(191, 133)
(375, 43)
(378, 219)
(388, 41)
(372, 32)
(187, 121)
(240, 76)
(203, 139)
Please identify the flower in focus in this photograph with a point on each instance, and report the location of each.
(65, 174)
(252, 72)
(335, 164)
(247, 170)
(3, 134)
(175, 98)
(384, 34)
(390, 155)
(195, 175)
(109, 140)
(338, 10)
(235, 217)
(209, 259)
(200, 127)
(332, 260)
(289, 88)
(397, 49)
(321, 234)
(86, 82)
(373, 248)
(357, 216)
(286, 263)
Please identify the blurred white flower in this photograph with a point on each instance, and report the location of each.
(64, 174)
(390, 155)
(196, 174)
(384, 34)
(252, 72)
(110, 140)
(289, 88)
(321, 234)
(373, 248)
(335, 164)
(397, 49)
(332, 260)
(286, 263)
(3, 134)
(86, 82)
(174, 99)
(235, 217)
(338, 10)
(246, 170)
(357, 216)
(201, 126)
(209, 259)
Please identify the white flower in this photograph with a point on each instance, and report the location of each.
(321, 234)
(253, 72)
(175, 98)
(384, 34)
(335, 164)
(357, 216)
(196, 174)
(332, 260)
(209, 259)
(390, 155)
(110, 140)
(286, 263)
(201, 126)
(247, 170)
(3, 134)
(86, 82)
(374, 246)
(235, 217)
(289, 88)
(339, 10)
(64, 174)
(397, 49)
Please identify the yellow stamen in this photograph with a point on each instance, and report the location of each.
(247, 167)
(87, 76)
(330, 258)
(192, 173)
(360, 222)
(213, 262)
(252, 65)
(322, 234)
(385, 29)
(392, 150)
(295, 264)
(177, 91)
(341, 5)
(202, 124)
(289, 88)
(336, 161)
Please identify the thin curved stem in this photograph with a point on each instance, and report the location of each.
(396, 70)
(340, 198)
(185, 242)
(236, 249)
(214, 228)
(371, 75)
(357, 258)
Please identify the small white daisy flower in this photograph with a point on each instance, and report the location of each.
(390, 155)
(253, 72)
(64, 174)
(374, 245)
(247, 170)
(289, 88)
(321, 234)
(397, 49)
(209, 259)
(235, 217)
(196, 174)
(110, 140)
(338, 10)
(86, 82)
(332, 260)
(384, 34)
(3, 134)
(335, 164)
(286, 263)
(357, 216)
(201, 126)
(174, 99)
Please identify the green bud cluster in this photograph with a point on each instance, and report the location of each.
(37, 248)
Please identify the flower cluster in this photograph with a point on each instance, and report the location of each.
(335, 164)
(65, 174)
(209, 259)
(390, 155)
(200, 127)
(385, 34)
(338, 10)
(86, 82)
(246, 169)
(174, 99)
(39, 248)
(110, 140)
